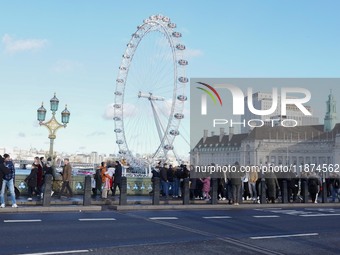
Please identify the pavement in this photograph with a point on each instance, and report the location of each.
(75, 204)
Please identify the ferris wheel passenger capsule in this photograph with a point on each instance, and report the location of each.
(180, 47)
(182, 62)
(119, 141)
(123, 68)
(166, 19)
(182, 98)
(117, 106)
(120, 80)
(172, 25)
(168, 147)
(183, 79)
(122, 152)
(176, 34)
(179, 116)
(118, 130)
(118, 93)
(135, 35)
(174, 132)
(126, 56)
(117, 118)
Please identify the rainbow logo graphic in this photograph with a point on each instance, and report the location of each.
(210, 92)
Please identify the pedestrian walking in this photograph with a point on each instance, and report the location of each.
(3, 170)
(253, 176)
(236, 184)
(272, 185)
(106, 180)
(67, 178)
(48, 169)
(117, 178)
(31, 181)
(164, 180)
(8, 181)
(39, 164)
(206, 188)
(314, 185)
(335, 185)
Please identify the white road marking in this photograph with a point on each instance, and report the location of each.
(55, 252)
(266, 216)
(284, 236)
(217, 217)
(320, 215)
(20, 221)
(266, 209)
(97, 219)
(163, 218)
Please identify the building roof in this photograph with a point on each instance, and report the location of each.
(313, 132)
(235, 141)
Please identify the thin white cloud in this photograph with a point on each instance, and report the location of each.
(13, 46)
(63, 66)
(97, 133)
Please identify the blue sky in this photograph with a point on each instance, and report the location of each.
(74, 48)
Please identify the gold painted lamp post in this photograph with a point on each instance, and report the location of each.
(53, 125)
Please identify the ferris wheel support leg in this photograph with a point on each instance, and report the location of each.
(157, 121)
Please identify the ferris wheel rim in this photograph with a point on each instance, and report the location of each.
(161, 24)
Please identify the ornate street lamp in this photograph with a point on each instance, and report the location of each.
(53, 125)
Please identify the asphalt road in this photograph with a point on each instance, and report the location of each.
(240, 231)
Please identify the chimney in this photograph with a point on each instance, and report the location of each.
(205, 135)
(231, 133)
(221, 135)
(212, 133)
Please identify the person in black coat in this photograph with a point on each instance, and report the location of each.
(236, 183)
(164, 180)
(117, 178)
(3, 169)
(273, 186)
(155, 174)
(314, 185)
(32, 181)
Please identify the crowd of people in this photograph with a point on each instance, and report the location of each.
(241, 186)
(232, 186)
(35, 180)
(107, 178)
(171, 179)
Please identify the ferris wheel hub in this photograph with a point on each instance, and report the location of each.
(150, 96)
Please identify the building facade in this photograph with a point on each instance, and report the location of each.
(295, 146)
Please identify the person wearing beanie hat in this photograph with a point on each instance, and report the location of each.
(8, 181)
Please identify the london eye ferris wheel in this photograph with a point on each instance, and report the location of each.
(150, 93)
